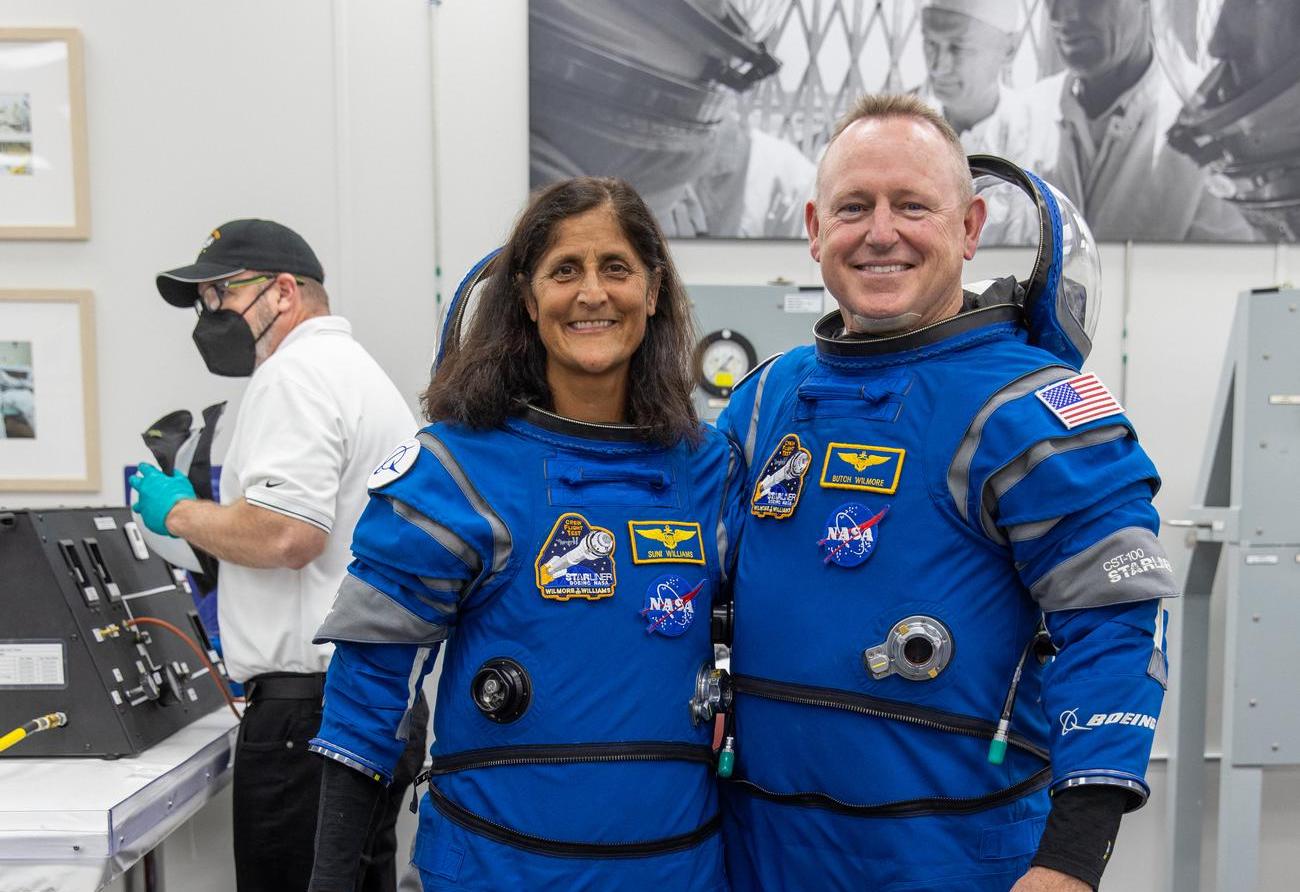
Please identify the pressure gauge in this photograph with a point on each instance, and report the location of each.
(722, 358)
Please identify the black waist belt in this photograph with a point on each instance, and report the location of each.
(933, 719)
(559, 754)
(285, 686)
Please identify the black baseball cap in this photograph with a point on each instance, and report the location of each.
(236, 246)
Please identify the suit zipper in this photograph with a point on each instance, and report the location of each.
(569, 753)
(933, 719)
(564, 754)
(486, 827)
(830, 698)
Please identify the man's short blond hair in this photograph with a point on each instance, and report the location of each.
(874, 106)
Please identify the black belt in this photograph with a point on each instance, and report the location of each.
(285, 686)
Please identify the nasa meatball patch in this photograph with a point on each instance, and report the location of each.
(852, 532)
(776, 494)
(670, 604)
(576, 561)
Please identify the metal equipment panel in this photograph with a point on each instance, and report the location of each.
(96, 627)
(1263, 629)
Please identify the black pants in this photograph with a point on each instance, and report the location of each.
(277, 789)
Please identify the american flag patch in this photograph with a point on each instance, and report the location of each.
(1078, 400)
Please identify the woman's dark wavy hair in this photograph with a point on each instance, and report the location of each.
(500, 360)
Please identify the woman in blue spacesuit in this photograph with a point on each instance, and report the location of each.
(563, 525)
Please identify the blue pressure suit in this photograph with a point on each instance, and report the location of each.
(570, 567)
(918, 506)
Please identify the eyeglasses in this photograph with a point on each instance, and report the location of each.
(211, 294)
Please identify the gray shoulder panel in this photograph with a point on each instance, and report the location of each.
(1128, 565)
(1002, 480)
(442, 585)
(365, 615)
(439, 533)
(1025, 531)
(722, 509)
(752, 433)
(501, 541)
(413, 680)
(758, 368)
(959, 469)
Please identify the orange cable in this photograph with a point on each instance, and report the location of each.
(216, 677)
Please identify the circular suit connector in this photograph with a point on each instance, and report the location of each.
(501, 690)
(713, 694)
(918, 648)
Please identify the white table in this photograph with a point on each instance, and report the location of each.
(78, 824)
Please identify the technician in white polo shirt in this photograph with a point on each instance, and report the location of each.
(318, 416)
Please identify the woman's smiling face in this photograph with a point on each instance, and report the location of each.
(590, 296)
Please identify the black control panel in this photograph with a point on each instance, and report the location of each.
(95, 626)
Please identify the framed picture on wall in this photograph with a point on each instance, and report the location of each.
(49, 435)
(44, 193)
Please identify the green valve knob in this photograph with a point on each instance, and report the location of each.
(997, 750)
(727, 758)
(726, 762)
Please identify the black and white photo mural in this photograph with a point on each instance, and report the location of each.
(1163, 120)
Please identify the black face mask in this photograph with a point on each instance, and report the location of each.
(226, 342)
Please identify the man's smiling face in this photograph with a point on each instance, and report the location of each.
(892, 223)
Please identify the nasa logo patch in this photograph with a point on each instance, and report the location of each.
(576, 561)
(670, 605)
(776, 494)
(399, 461)
(858, 466)
(851, 534)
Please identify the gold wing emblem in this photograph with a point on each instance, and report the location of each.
(668, 536)
(861, 460)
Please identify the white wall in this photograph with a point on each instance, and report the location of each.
(312, 113)
(318, 114)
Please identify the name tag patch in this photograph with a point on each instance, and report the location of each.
(776, 494)
(862, 467)
(665, 542)
(576, 561)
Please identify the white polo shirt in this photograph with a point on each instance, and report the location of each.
(318, 416)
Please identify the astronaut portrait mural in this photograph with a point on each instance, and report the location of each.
(1162, 120)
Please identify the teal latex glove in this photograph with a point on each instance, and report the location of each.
(158, 494)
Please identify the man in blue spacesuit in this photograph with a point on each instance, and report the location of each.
(937, 506)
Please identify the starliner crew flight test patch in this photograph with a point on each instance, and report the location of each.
(576, 561)
(776, 494)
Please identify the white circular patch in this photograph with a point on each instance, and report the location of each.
(397, 464)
